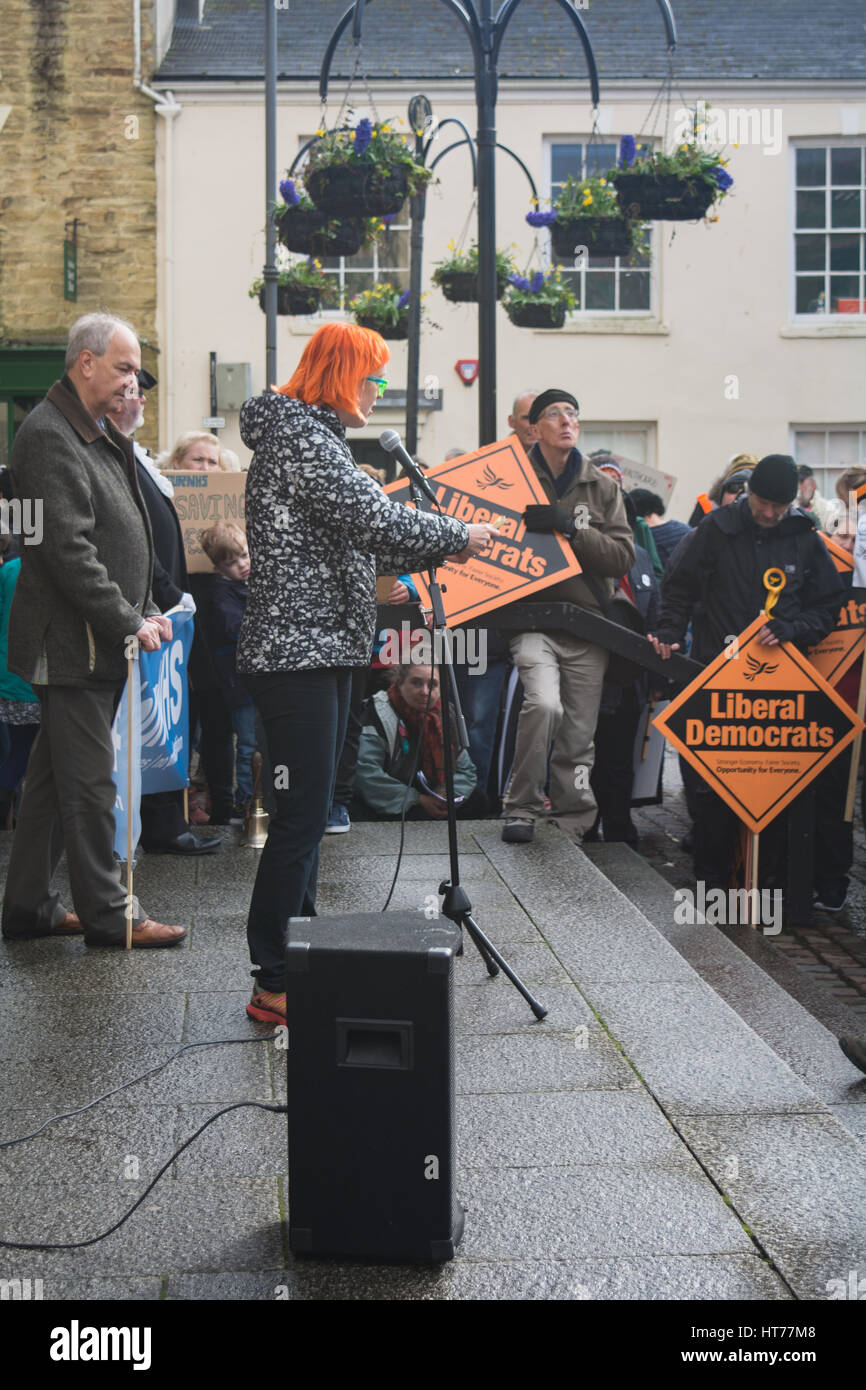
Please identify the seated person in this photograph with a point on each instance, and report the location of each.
(390, 759)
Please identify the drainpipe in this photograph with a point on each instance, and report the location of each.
(164, 105)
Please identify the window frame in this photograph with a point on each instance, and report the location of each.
(827, 318)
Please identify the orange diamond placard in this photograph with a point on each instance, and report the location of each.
(841, 648)
(758, 724)
(494, 484)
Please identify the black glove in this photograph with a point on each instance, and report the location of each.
(781, 629)
(549, 518)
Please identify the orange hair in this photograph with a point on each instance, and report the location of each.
(333, 364)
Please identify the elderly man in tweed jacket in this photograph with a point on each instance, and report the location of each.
(83, 590)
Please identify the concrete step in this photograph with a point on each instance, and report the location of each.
(767, 1132)
(791, 1012)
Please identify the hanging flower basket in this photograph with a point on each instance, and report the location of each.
(662, 197)
(541, 302)
(309, 232)
(461, 286)
(537, 315)
(365, 171)
(602, 236)
(293, 300)
(363, 190)
(677, 187)
(392, 331)
(383, 309)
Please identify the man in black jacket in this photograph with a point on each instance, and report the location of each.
(164, 829)
(715, 579)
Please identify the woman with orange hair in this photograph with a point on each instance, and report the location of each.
(318, 528)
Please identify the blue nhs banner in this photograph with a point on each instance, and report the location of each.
(164, 710)
(160, 729)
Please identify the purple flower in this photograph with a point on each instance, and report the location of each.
(537, 282)
(388, 218)
(626, 151)
(363, 135)
(289, 193)
(722, 177)
(403, 300)
(518, 282)
(540, 219)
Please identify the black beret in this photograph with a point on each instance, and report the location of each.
(549, 397)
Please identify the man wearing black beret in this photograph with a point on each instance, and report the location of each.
(715, 581)
(562, 675)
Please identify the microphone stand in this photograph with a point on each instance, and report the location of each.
(456, 905)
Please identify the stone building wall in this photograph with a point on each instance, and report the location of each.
(79, 141)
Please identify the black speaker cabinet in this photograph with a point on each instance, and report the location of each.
(370, 1006)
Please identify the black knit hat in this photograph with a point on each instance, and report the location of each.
(775, 478)
(550, 397)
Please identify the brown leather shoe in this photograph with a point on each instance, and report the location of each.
(150, 933)
(70, 926)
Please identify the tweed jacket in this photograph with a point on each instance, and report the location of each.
(605, 548)
(318, 529)
(86, 586)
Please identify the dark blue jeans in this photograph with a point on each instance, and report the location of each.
(304, 714)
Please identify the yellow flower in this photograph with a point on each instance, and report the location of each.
(682, 147)
(604, 183)
(374, 133)
(320, 132)
(386, 130)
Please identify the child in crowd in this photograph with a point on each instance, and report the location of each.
(226, 547)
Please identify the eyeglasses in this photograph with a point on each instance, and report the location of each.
(570, 415)
(736, 488)
(381, 384)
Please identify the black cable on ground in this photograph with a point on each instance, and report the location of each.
(93, 1240)
(187, 1047)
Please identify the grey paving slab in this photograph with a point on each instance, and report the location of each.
(107, 1020)
(345, 895)
(112, 1143)
(582, 1059)
(606, 1209)
(77, 1075)
(694, 1053)
(597, 933)
(194, 1225)
(535, 964)
(824, 1272)
(562, 1129)
(428, 868)
(244, 1144)
(66, 1288)
(853, 1117)
(383, 837)
(794, 1179)
(494, 1006)
(221, 961)
(724, 961)
(671, 1277)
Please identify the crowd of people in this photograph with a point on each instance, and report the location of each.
(285, 658)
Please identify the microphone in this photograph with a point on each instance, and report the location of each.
(391, 443)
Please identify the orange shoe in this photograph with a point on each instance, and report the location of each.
(267, 1007)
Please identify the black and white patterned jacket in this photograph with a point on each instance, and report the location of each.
(318, 531)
